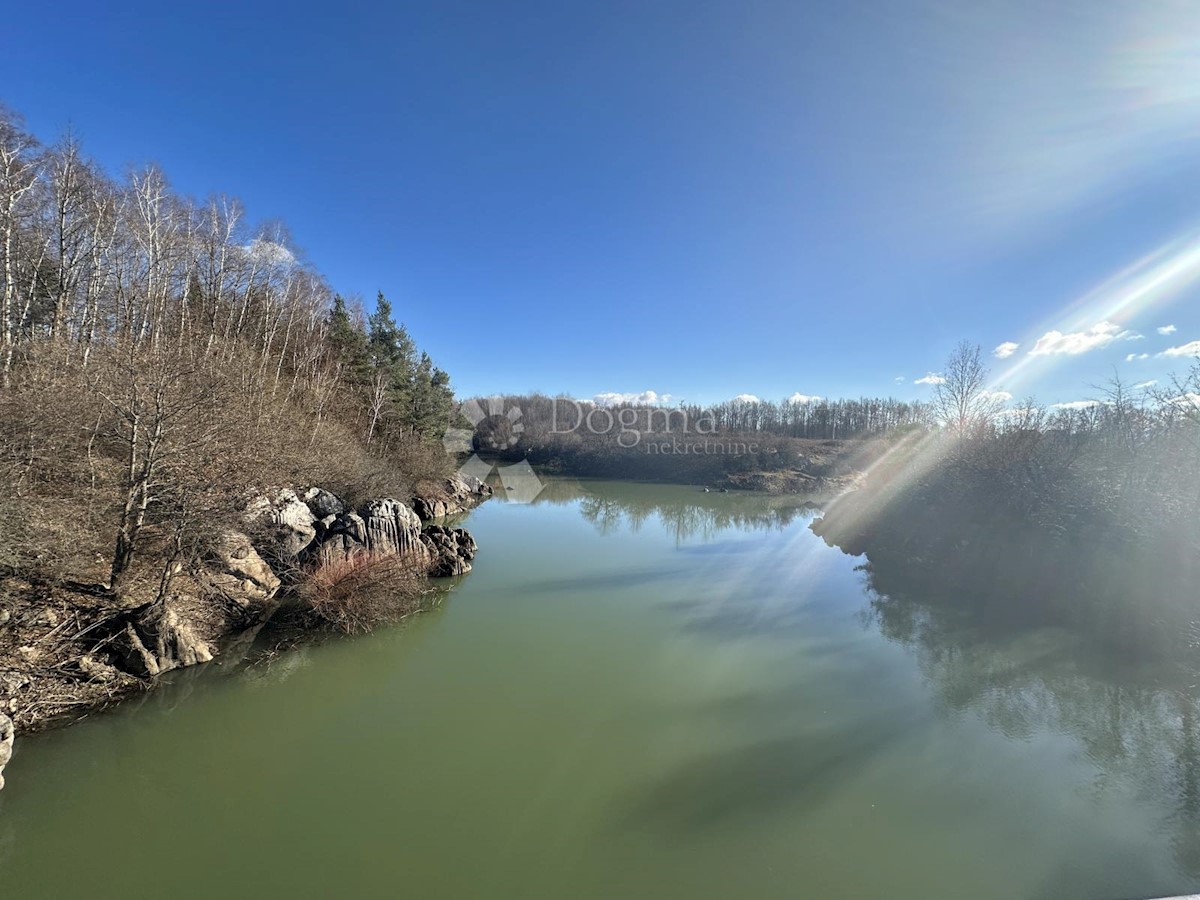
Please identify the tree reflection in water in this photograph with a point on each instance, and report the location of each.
(1135, 721)
(685, 512)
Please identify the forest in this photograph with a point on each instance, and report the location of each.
(161, 357)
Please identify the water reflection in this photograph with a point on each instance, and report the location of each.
(753, 781)
(1137, 724)
(685, 512)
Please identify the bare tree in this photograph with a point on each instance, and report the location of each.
(962, 400)
(19, 176)
(155, 419)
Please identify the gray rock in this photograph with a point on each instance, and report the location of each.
(339, 538)
(240, 573)
(454, 496)
(451, 551)
(283, 524)
(157, 638)
(430, 508)
(382, 528)
(323, 503)
(7, 736)
(392, 528)
(389, 528)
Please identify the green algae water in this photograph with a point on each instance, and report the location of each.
(641, 691)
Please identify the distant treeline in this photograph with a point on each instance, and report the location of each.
(563, 421)
(159, 356)
(813, 419)
(687, 444)
(818, 419)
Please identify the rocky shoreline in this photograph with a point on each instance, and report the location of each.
(69, 649)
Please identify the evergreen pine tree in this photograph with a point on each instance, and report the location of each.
(393, 369)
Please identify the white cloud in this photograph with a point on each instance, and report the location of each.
(899, 379)
(270, 252)
(645, 398)
(1135, 356)
(1189, 349)
(1145, 384)
(1076, 404)
(747, 398)
(803, 398)
(931, 378)
(1005, 350)
(1073, 343)
(1002, 396)
(1167, 329)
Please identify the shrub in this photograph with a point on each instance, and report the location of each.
(358, 594)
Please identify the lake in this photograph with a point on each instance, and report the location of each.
(642, 691)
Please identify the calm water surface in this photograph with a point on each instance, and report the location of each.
(641, 691)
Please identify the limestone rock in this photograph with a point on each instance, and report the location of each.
(157, 638)
(381, 528)
(451, 550)
(283, 523)
(339, 538)
(322, 503)
(240, 573)
(392, 528)
(431, 508)
(454, 496)
(7, 735)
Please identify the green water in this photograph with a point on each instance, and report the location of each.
(641, 691)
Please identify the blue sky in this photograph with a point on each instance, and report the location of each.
(699, 199)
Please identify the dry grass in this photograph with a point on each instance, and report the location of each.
(356, 595)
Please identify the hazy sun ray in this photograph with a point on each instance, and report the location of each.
(1156, 279)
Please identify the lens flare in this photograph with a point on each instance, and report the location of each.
(1153, 281)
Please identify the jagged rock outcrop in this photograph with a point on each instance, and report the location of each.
(315, 527)
(450, 549)
(385, 528)
(306, 530)
(7, 735)
(236, 592)
(240, 573)
(158, 637)
(381, 528)
(322, 503)
(454, 496)
(284, 526)
(214, 607)
(339, 538)
(392, 529)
